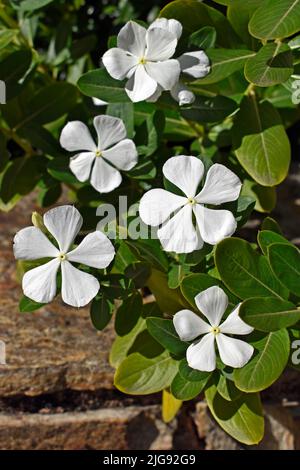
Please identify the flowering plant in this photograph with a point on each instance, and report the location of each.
(185, 122)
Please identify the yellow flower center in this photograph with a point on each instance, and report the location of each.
(191, 200)
(142, 60)
(98, 153)
(62, 256)
(215, 330)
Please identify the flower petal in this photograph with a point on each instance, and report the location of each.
(161, 44)
(214, 225)
(81, 165)
(182, 94)
(234, 325)
(157, 94)
(78, 288)
(63, 222)
(119, 63)
(165, 73)
(110, 130)
(195, 63)
(31, 243)
(132, 38)
(179, 234)
(98, 102)
(189, 326)
(157, 205)
(95, 250)
(140, 86)
(173, 26)
(76, 136)
(202, 355)
(123, 155)
(185, 172)
(221, 185)
(105, 178)
(39, 284)
(234, 352)
(212, 302)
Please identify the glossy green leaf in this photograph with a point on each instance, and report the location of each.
(265, 196)
(12, 70)
(209, 109)
(20, 177)
(138, 375)
(285, 263)
(28, 305)
(227, 389)
(169, 300)
(128, 314)
(242, 419)
(193, 284)
(245, 272)
(30, 5)
(99, 84)
(273, 64)
(276, 19)
(164, 332)
(204, 38)
(269, 314)
(192, 375)
(266, 238)
(184, 390)
(139, 272)
(101, 312)
(267, 364)
(239, 13)
(261, 143)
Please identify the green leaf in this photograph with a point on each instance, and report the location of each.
(273, 64)
(285, 263)
(123, 111)
(239, 13)
(261, 143)
(28, 305)
(267, 364)
(12, 69)
(192, 375)
(7, 36)
(209, 109)
(242, 419)
(138, 375)
(128, 314)
(30, 5)
(193, 15)
(155, 127)
(169, 300)
(99, 84)
(101, 312)
(276, 19)
(245, 272)
(269, 314)
(170, 406)
(42, 139)
(266, 238)
(271, 225)
(265, 196)
(193, 284)
(164, 332)
(184, 390)
(204, 38)
(59, 169)
(149, 251)
(20, 177)
(224, 63)
(122, 344)
(176, 275)
(48, 196)
(139, 272)
(227, 389)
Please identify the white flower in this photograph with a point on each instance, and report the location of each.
(144, 57)
(102, 162)
(78, 288)
(178, 233)
(98, 102)
(201, 355)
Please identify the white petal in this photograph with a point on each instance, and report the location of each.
(153, 98)
(118, 63)
(98, 102)
(63, 222)
(31, 243)
(123, 155)
(221, 185)
(195, 64)
(202, 355)
(161, 44)
(39, 284)
(234, 325)
(189, 326)
(132, 38)
(182, 94)
(173, 26)
(157, 205)
(140, 86)
(212, 302)
(233, 352)
(179, 234)
(110, 130)
(185, 172)
(78, 288)
(76, 136)
(95, 250)
(165, 73)
(81, 165)
(104, 177)
(214, 225)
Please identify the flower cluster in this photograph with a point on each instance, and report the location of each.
(145, 58)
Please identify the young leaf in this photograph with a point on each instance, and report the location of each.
(164, 332)
(267, 364)
(242, 419)
(138, 375)
(285, 263)
(269, 313)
